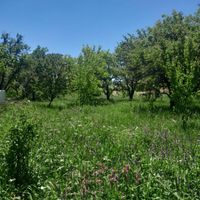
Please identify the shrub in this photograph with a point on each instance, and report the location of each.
(21, 137)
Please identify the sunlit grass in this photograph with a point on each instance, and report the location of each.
(116, 150)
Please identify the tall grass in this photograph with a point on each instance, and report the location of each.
(117, 150)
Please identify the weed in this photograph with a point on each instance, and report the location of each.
(19, 172)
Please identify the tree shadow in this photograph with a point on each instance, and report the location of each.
(3, 108)
(43, 105)
(195, 109)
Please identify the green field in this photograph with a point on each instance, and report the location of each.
(114, 150)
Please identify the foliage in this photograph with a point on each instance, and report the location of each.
(11, 59)
(175, 50)
(132, 64)
(53, 78)
(86, 81)
(21, 137)
(106, 151)
(163, 59)
(46, 76)
(30, 78)
(107, 73)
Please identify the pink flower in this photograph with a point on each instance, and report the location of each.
(126, 169)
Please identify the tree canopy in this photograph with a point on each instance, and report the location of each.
(163, 58)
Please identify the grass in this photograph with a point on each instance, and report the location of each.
(117, 150)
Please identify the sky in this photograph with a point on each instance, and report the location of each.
(64, 26)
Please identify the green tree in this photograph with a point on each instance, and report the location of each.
(53, 78)
(174, 50)
(30, 77)
(106, 72)
(12, 51)
(86, 81)
(132, 62)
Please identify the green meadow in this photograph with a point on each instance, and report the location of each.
(112, 150)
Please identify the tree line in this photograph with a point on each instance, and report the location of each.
(162, 59)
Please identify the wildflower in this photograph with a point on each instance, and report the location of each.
(126, 169)
(101, 170)
(113, 177)
(98, 181)
(98, 172)
(42, 187)
(138, 178)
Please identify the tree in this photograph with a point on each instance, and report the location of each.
(53, 78)
(132, 62)
(12, 51)
(86, 81)
(106, 72)
(175, 51)
(30, 77)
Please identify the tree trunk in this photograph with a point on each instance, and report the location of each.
(172, 104)
(107, 93)
(33, 96)
(131, 89)
(2, 81)
(51, 100)
(131, 93)
(108, 96)
(12, 77)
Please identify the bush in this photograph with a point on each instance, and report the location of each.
(21, 137)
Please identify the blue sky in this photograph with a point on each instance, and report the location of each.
(64, 26)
